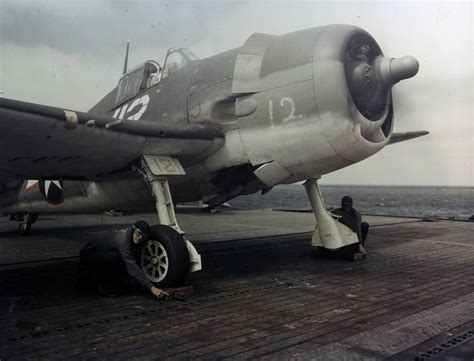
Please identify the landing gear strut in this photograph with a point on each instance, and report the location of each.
(329, 233)
(166, 257)
(25, 225)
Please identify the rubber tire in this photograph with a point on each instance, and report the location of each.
(178, 255)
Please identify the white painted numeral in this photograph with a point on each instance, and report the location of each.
(126, 109)
(162, 165)
(270, 110)
(292, 115)
(144, 100)
(292, 106)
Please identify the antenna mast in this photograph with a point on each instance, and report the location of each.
(125, 63)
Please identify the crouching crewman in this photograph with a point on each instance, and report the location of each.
(350, 217)
(111, 262)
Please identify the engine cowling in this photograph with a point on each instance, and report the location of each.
(361, 80)
(302, 104)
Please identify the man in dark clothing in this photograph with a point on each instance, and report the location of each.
(351, 218)
(112, 259)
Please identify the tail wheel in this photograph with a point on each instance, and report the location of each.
(27, 220)
(164, 257)
(24, 228)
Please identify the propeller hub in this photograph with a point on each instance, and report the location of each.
(391, 70)
(370, 76)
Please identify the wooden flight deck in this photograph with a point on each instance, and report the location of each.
(260, 295)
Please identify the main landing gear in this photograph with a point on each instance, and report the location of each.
(329, 234)
(167, 256)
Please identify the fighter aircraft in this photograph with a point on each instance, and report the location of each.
(279, 109)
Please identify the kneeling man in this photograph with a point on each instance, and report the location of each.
(112, 260)
(351, 218)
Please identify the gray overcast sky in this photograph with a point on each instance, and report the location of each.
(70, 53)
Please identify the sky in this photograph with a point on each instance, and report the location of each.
(70, 54)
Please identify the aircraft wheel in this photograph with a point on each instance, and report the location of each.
(24, 228)
(164, 257)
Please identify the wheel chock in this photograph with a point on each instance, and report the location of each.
(359, 256)
(179, 293)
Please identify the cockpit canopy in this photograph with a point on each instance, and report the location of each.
(150, 73)
(136, 80)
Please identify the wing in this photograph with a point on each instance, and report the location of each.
(39, 141)
(401, 137)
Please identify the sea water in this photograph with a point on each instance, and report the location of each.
(426, 202)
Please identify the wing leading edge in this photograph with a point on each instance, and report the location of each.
(40, 141)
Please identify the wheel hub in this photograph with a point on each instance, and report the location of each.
(154, 260)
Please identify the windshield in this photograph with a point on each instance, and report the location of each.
(176, 59)
(189, 54)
